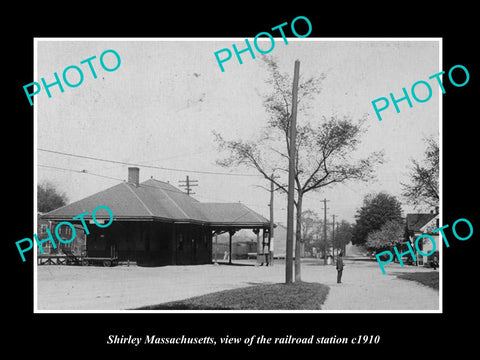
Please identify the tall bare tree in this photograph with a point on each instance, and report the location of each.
(324, 147)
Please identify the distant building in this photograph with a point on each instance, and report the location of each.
(76, 246)
(280, 242)
(243, 247)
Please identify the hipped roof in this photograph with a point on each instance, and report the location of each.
(157, 200)
(416, 221)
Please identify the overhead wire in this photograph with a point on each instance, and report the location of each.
(141, 185)
(147, 166)
(78, 171)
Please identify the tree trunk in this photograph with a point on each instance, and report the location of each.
(298, 237)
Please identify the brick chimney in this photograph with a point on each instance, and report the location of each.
(133, 175)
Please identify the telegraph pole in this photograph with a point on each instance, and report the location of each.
(270, 233)
(333, 234)
(325, 231)
(187, 184)
(291, 177)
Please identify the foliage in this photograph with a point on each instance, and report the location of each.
(423, 188)
(324, 155)
(343, 235)
(49, 198)
(312, 230)
(377, 209)
(390, 234)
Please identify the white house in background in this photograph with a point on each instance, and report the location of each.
(433, 224)
(421, 224)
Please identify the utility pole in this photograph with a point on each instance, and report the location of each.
(187, 184)
(333, 234)
(291, 177)
(270, 233)
(216, 247)
(325, 231)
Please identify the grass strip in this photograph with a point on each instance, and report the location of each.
(295, 296)
(429, 278)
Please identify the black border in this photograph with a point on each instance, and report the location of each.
(410, 334)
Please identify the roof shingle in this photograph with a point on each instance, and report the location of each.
(416, 221)
(157, 200)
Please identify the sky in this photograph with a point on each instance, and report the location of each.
(167, 97)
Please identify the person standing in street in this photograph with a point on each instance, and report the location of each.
(339, 267)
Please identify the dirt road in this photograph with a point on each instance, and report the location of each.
(364, 287)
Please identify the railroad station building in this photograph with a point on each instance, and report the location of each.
(155, 223)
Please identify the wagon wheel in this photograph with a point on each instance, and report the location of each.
(84, 262)
(107, 263)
